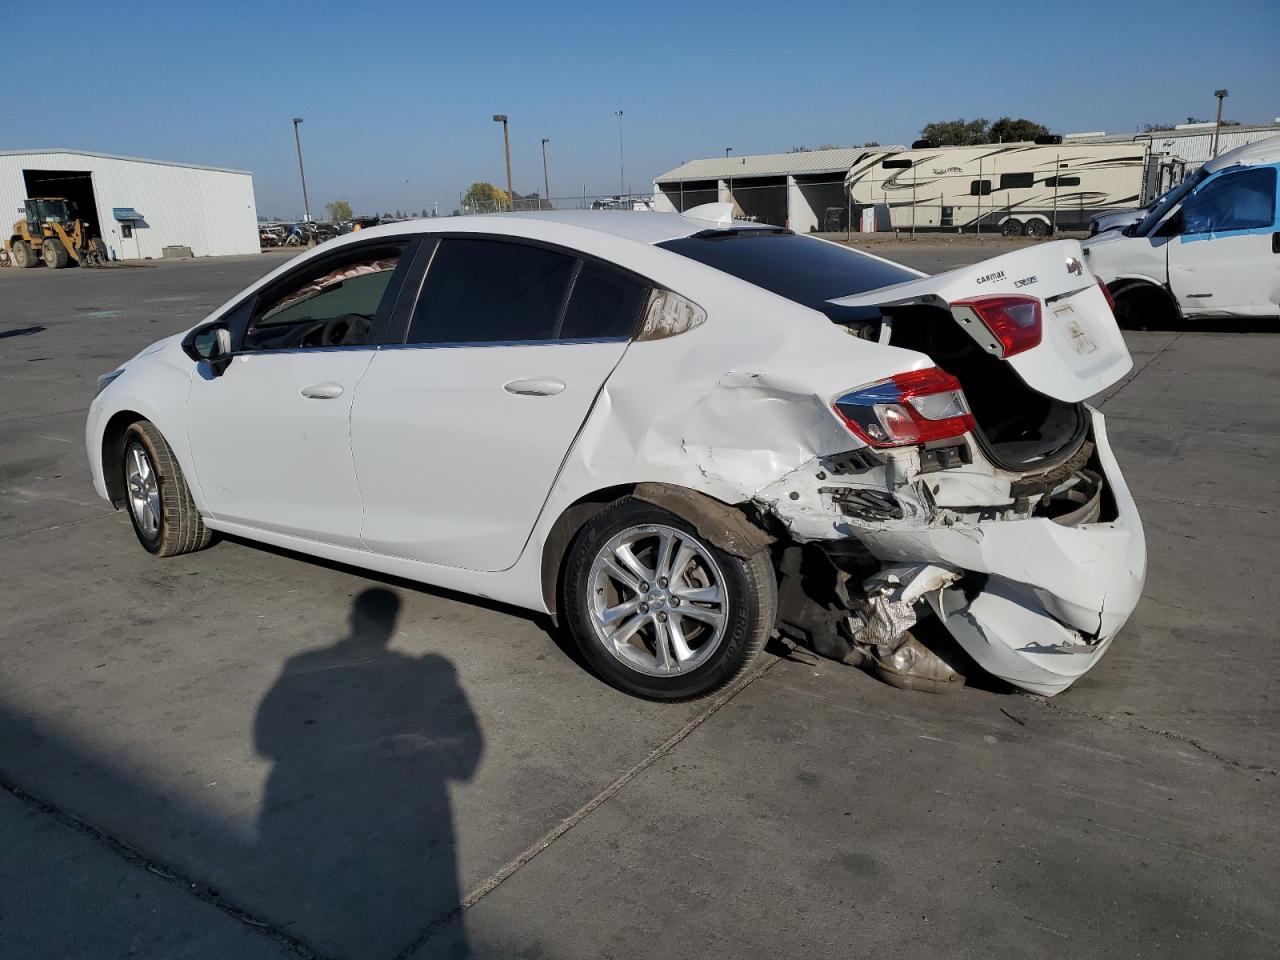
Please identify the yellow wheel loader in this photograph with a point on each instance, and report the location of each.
(51, 234)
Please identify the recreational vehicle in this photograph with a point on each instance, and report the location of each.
(1013, 188)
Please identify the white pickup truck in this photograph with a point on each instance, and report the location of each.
(1209, 248)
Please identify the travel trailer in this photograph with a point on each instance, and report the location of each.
(1013, 188)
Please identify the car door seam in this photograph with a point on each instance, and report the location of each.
(351, 448)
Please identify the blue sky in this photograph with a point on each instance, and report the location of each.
(397, 97)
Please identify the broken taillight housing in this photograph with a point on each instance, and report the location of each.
(908, 408)
(1012, 319)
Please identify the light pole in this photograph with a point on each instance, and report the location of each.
(297, 141)
(506, 147)
(546, 184)
(727, 150)
(622, 166)
(1221, 95)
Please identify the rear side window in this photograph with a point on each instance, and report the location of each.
(802, 269)
(604, 303)
(1062, 182)
(491, 291)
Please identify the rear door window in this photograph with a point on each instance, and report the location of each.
(491, 291)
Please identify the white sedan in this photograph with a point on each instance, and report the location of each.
(677, 435)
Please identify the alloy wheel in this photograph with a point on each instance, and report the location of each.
(144, 490)
(659, 602)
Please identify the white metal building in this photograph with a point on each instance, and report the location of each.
(1191, 143)
(793, 190)
(137, 206)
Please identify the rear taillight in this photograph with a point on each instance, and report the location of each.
(1013, 320)
(1106, 292)
(909, 408)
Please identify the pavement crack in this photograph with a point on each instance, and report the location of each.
(1119, 724)
(162, 871)
(499, 876)
(1142, 369)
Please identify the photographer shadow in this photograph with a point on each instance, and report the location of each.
(355, 835)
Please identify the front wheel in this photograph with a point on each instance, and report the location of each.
(160, 506)
(660, 612)
(55, 255)
(1011, 228)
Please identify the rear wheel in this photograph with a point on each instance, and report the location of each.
(55, 254)
(1036, 228)
(659, 611)
(160, 506)
(1011, 228)
(23, 255)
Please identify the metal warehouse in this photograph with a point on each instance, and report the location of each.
(1188, 142)
(138, 207)
(802, 190)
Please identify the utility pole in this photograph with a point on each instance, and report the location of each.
(506, 147)
(546, 184)
(297, 142)
(622, 166)
(1217, 129)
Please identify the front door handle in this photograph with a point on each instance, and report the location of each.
(322, 391)
(1275, 243)
(534, 387)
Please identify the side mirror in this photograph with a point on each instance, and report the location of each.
(209, 344)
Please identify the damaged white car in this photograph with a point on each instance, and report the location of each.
(675, 434)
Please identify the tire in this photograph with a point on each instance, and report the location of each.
(721, 639)
(1036, 228)
(1011, 228)
(23, 255)
(163, 515)
(55, 255)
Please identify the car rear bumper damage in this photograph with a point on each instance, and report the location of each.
(1035, 600)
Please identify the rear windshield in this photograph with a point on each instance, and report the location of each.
(802, 269)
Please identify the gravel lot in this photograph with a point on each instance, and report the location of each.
(207, 757)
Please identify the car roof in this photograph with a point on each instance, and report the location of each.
(639, 226)
(1261, 151)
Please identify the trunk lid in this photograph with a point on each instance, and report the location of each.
(1081, 350)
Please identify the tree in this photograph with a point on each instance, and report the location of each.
(484, 196)
(956, 133)
(339, 211)
(1008, 130)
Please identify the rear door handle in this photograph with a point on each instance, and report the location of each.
(1275, 243)
(535, 387)
(322, 391)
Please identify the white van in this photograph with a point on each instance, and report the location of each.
(1209, 248)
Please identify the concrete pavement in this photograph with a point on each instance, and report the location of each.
(248, 753)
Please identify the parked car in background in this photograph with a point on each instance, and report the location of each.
(357, 224)
(1118, 219)
(673, 433)
(1209, 248)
